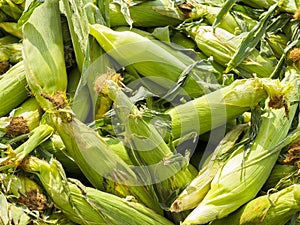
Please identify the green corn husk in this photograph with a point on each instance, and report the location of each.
(25, 118)
(14, 157)
(180, 39)
(44, 56)
(168, 170)
(222, 45)
(244, 174)
(160, 64)
(275, 208)
(85, 205)
(113, 175)
(119, 149)
(215, 109)
(55, 146)
(83, 92)
(170, 40)
(207, 77)
(279, 172)
(190, 197)
(297, 220)
(13, 88)
(145, 13)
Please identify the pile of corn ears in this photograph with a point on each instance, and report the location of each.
(135, 112)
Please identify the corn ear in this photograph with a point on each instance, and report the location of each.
(113, 175)
(146, 14)
(275, 208)
(81, 94)
(92, 65)
(222, 45)
(103, 102)
(242, 176)
(218, 107)
(50, 175)
(168, 169)
(44, 56)
(13, 88)
(151, 56)
(192, 195)
(55, 146)
(79, 14)
(85, 205)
